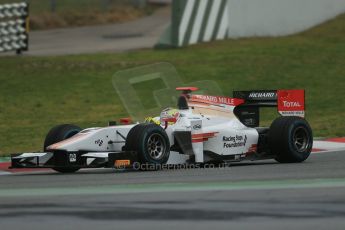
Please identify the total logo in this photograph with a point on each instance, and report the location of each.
(289, 104)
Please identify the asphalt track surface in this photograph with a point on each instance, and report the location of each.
(141, 33)
(260, 195)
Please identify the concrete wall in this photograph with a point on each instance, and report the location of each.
(249, 18)
(195, 21)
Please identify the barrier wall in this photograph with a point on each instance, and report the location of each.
(195, 21)
(249, 18)
(14, 27)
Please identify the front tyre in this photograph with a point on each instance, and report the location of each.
(60, 133)
(290, 139)
(151, 143)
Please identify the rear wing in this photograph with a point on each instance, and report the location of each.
(288, 103)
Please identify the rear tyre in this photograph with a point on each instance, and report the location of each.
(151, 143)
(290, 139)
(60, 133)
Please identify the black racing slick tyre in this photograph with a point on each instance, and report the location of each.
(60, 133)
(151, 143)
(290, 139)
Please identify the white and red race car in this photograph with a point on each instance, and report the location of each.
(201, 130)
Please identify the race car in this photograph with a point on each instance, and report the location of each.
(202, 129)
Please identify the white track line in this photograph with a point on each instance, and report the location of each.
(328, 145)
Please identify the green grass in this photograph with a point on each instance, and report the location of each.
(37, 93)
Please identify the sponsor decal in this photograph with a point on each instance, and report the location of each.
(99, 142)
(291, 102)
(197, 126)
(292, 113)
(72, 157)
(234, 141)
(122, 163)
(218, 100)
(265, 95)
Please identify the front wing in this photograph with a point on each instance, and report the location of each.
(64, 159)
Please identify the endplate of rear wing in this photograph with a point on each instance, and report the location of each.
(288, 102)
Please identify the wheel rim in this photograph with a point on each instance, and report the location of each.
(156, 146)
(301, 139)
